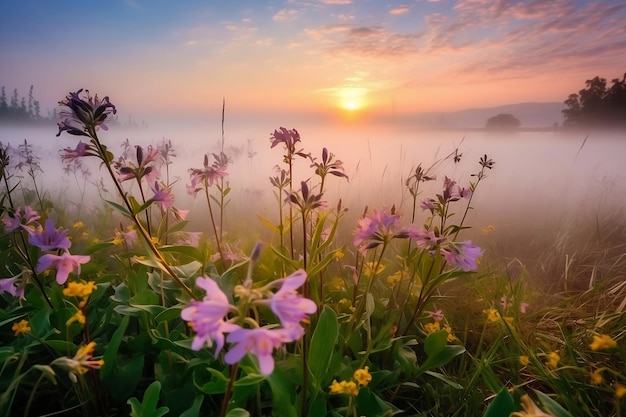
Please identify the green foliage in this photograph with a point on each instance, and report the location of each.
(148, 407)
(597, 105)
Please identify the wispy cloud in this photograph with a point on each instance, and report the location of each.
(285, 14)
(399, 10)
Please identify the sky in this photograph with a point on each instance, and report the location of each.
(344, 59)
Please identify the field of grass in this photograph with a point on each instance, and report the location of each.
(120, 305)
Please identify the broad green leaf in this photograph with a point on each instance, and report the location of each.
(282, 390)
(251, 379)
(111, 351)
(238, 412)
(119, 208)
(322, 345)
(502, 405)
(552, 406)
(147, 408)
(438, 351)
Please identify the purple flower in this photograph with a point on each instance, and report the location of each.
(206, 317)
(84, 114)
(424, 239)
(287, 137)
(163, 196)
(288, 306)
(82, 149)
(463, 255)
(64, 264)
(49, 238)
(145, 167)
(14, 286)
(378, 228)
(259, 342)
(22, 217)
(208, 175)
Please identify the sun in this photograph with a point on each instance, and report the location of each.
(351, 99)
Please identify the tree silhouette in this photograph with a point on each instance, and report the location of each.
(596, 105)
(503, 121)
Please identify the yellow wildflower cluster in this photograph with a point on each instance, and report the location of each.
(20, 327)
(524, 360)
(602, 342)
(361, 378)
(620, 390)
(552, 360)
(596, 377)
(436, 327)
(488, 229)
(80, 363)
(78, 289)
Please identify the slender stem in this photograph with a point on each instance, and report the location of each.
(217, 238)
(290, 207)
(229, 389)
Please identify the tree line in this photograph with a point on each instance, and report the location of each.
(17, 109)
(597, 105)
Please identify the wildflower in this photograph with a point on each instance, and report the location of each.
(620, 390)
(372, 268)
(78, 225)
(14, 285)
(463, 255)
(202, 178)
(289, 138)
(163, 196)
(80, 363)
(428, 204)
(493, 315)
(436, 315)
(145, 167)
(432, 327)
(553, 360)
(362, 376)
(486, 162)
(85, 114)
(524, 360)
(451, 337)
(328, 166)
(376, 229)
(306, 200)
(596, 377)
(259, 342)
(424, 239)
(394, 278)
(488, 229)
(288, 306)
(78, 289)
(78, 317)
(523, 307)
(344, 387)
(64, 264)
(49, 238)
(530, 409)
(22, 217)
(602, 342)
(508, 320)
(206, 317)
(82, 149)
(21, 327)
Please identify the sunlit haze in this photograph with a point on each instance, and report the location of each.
(298, 60)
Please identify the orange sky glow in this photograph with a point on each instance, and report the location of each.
(343, 59)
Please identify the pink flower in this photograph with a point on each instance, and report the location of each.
(424, 239)
(163, 196)
(379, 227)
(14, 286)
(64, 264)
(259, 342)
(463, 255)
(288, 306)
(49, 238)
(84, 114)
(22, 217)
(206, 317)
(82, 149)
(208, 175)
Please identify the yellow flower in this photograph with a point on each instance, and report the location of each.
(620, 390)
(530, 409)
(362, 376)
(451, 338)
(339, 254)
(119, 239)
(368, 268)
(78, 225)
(344, 387)
(553, 360)
(394, 278)
(78, 289)
(492, 315)
(508, 320)
(524, 360)
(602, 342)
(488, 229)
(155, 240)
(432, 327)
(336, 284)
(20, 327)
(80, 363)
(79, 317)
(596, 377)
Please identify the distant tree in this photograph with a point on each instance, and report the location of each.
(596, 105)
(503, 121)
(21, 110)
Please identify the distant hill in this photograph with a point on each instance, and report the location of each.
(531, 115)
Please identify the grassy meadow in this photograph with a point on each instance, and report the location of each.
(137, 291)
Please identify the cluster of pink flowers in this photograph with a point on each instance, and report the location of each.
(215, 320)
(208, 175)
(49, 239)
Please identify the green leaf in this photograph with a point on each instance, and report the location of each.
(251, 379)
(445, 379)
(502, 405)
(147, 408)
(282, 389)
(111, 351)
(552, 406)
(438, 351)
(322, 344)
(119, 208)
(194, 410)
(238, 412)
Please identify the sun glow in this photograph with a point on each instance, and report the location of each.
(352, 98)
